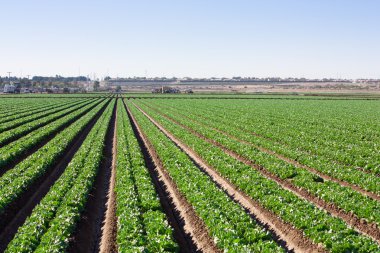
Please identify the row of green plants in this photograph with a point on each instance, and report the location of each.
(16, 112)
(229, 225)
(29, 235)
(62, 227)
(344, 198)
(244, 131)
(11, 108)
(142, 225)
(10, 125)
(17, 180)
(12, 151)
(353, 143)
(316, 224)
(54, 114)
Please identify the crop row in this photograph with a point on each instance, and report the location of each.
(37, 107)
(13, 134)
(243, 131)
(17, 180)
(332, 232)
(345, 198)
(30, 233)
(142, 225)
(11, 109)
(12, 151)
(56, 238)
(33, 117)
(353, 143)
(229, 225)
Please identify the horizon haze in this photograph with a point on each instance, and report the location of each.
(311, 39)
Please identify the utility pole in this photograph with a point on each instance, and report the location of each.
(9, 77)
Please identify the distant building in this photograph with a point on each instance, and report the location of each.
(9, 88)
(166, 89)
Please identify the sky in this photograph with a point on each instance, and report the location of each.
(191, 38)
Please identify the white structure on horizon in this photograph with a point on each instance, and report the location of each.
(9, 88)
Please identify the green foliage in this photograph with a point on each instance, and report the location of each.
(332, 232)
(142, 226)
(231, 227)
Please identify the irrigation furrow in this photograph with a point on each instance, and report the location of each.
(109, 229)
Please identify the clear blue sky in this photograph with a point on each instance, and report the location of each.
(198, 38)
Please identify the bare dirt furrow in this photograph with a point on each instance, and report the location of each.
(88, 232)
(284, 158)
(109, 229)
(285, 233)
(362, 226)
(20, 209)
(187, 221)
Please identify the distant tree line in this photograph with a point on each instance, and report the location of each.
(44, 81)
(59, 78)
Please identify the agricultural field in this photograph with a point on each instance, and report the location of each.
(189, 173)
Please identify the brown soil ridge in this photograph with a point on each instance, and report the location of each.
(87, 234)
(361, 225)
(20, 209)
(109, 229)
(192, 224)
(284, 158)
(293, 238)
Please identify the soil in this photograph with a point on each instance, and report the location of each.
(16, 214)
(109, 229)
